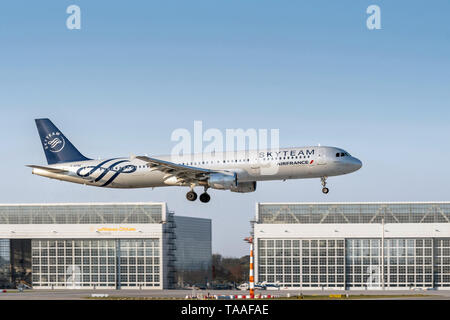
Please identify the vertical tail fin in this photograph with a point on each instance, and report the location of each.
(57, 147)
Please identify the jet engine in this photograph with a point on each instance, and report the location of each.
(244, 187)
(229, 181)
(222, 181)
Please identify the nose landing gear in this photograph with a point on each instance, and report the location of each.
(325, 190)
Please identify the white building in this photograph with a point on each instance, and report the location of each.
(341, 245)
(99, 245)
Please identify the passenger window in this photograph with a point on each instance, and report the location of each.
(337, 155)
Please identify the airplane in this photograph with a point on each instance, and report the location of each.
(235, 171)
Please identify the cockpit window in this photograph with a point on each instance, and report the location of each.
(342, 154)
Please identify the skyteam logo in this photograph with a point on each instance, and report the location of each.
(54, 142)
(116, 167)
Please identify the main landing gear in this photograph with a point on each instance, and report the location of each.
(204, 197)
(192, 196)
(324, 183)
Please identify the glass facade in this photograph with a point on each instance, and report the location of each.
(93, 256)
(442, 262)
(407, 263)
(363, 262)
(194, 252)
(301, 263)
(20, 250)
(81, 213)
(140, 263)
(96, 263)
(413, 212)
(343, 257)
(354, 263)
(5, 263)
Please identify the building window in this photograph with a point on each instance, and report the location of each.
(89, 263)
(295, 263)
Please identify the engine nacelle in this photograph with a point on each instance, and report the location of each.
(222, 181)
(244, 187)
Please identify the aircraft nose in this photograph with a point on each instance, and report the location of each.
(357, 164)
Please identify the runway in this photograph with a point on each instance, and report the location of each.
(182, 294)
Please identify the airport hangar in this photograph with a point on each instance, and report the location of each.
(102, 245)
(341, 245)
(297, 245)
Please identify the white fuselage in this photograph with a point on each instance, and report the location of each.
(262, 165)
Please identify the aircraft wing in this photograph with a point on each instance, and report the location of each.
(52, 170)
(183, 173)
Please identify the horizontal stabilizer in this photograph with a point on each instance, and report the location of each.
(52, 170)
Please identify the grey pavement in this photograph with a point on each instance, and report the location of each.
(167, 294)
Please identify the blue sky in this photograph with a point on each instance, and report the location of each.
(137, 71)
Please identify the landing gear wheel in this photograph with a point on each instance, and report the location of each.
(204, 197)
(325, 190)
(191, 196)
